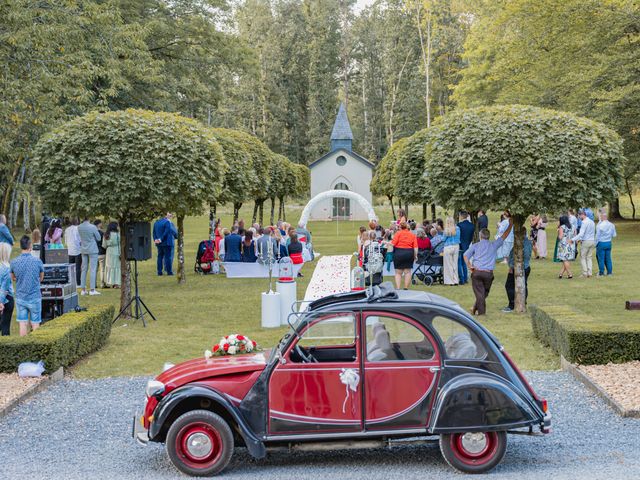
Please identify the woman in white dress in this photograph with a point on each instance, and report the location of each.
(542, 237)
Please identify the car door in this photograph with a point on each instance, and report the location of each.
(401, 369)
(322, 395)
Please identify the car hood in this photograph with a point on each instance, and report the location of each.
(203, 368)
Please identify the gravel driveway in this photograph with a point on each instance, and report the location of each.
(81, 430)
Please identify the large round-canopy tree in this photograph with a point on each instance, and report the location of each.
(241, 177)
(260, 156)
(409, 172)
(129, 165)
(384, 178)
(526, 159)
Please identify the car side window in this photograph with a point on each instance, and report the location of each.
(330, 339)
(459, 342)
(393, 339)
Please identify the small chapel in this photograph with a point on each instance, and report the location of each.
(341, 169)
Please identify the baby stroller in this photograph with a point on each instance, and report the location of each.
(429, 269)
(206, 261)
(373, 263)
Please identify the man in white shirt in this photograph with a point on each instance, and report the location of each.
(587, 236)
(573, 220)
(72, 241)
(605, 232)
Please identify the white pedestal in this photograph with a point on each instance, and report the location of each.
(288, 296)
(270, 310)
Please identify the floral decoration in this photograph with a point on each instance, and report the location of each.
(232, 345)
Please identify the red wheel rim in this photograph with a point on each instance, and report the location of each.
(472, 449)
(199, 445)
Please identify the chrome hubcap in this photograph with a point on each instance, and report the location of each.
(474, 443)
(199, 445)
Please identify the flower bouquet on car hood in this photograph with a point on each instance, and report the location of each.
(232, 345)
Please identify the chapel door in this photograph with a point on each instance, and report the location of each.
(341, 206)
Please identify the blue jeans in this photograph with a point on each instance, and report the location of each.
(165, 258)
(463, 273)
(603, 254)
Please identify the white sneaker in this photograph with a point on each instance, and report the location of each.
(94, 292)
(83, 292)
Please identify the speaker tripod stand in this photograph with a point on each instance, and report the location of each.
(139, 306)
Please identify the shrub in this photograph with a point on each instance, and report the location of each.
(582, 339)
(59, 342)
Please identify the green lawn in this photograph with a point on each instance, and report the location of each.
(192, 317)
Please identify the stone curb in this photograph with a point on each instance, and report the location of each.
(53, 378)
(597, 389)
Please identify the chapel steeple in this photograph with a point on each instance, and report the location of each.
(341, 135)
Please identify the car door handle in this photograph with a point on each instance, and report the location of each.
(434, 369)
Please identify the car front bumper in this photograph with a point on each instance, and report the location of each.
(138, 432)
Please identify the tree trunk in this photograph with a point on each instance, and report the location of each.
(236, 211)
(393, 211)
(6, 201)
(182, 277)
(125, 272)
(518, 262)
(255, 211)
(261, 213)
(283, 215)
(273, 210)
(633, 205)
(614, 209)
(474, 220)
(433, 212)
(34, 215)
(25, 214)
(212, 216)
(406, 209)
(424, 210)
(425, 47)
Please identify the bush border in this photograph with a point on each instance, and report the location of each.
(59, 342)
(582, 339)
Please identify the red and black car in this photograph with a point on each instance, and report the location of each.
(360, 369)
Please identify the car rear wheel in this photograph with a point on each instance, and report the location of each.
(473, 452)
(200, 443)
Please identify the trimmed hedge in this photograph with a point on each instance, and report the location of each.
(59, 342)
(582, 339)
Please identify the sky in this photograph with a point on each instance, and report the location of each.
(360, 4)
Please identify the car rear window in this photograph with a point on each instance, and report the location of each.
(459, 342)
(393, 339)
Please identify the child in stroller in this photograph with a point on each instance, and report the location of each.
(206, 261)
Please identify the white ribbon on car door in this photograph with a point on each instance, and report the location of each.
(350, 378)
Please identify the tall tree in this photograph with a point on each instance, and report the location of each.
(59, 59)
(323, 24)
(575, 55)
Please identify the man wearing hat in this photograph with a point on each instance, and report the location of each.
(587, 236)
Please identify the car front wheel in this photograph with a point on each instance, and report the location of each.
(473, 452)
(200, 443)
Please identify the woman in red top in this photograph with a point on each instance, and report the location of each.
(424, 244)
(405, 252)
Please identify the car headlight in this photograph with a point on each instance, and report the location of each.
(153, 387)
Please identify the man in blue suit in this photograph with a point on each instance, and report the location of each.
(233, 246)
(466, 238)
(164, 235)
